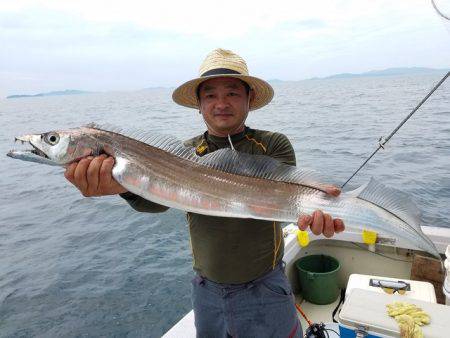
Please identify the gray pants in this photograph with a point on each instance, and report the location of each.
(261, 308)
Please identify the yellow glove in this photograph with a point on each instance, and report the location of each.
(409, 317)
(400, 308)
(408, 328)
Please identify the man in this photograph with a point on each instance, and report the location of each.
(240, 289)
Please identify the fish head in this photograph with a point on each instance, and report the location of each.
(56, 147)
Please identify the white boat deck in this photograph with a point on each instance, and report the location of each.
(353, 256)
(184, 328)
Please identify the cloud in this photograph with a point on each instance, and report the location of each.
(235, 18)
(126, 45)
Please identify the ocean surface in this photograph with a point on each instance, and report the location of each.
(92, 267)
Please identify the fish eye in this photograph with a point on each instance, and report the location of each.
(51, 138)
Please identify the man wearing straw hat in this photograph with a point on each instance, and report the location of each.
(240, 289)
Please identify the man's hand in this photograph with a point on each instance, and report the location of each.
(93, 176)
(320, 222)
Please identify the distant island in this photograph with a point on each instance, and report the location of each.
(385, 72)
(373, 73)
(55, 93)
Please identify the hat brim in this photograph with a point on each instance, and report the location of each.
(186, 94)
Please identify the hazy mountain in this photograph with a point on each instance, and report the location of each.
(376, 73)
(372, 73)
(388, 72)
(55, 93)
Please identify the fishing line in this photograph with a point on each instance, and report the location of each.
(243, 121)
(231, 143)
(442, 7)
(382, 141)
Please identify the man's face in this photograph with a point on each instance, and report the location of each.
(224, 105)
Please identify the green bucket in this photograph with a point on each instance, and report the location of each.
(318, 278)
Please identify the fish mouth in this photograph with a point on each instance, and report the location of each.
(26, 141)
(37, 151)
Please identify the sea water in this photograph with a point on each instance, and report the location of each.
(88, 267)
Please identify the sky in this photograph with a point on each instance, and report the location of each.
(95, 45)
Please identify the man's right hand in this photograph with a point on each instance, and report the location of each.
(93, 176)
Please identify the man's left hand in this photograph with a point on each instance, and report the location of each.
(320, 222)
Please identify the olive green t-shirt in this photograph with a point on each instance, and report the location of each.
(232, 250)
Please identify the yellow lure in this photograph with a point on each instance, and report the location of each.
(369, 237)
(302, 238)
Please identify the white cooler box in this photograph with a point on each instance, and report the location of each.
(364, 312)
(415, 289)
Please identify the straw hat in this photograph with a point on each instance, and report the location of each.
(223, 63)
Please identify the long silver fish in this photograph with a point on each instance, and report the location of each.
(226, 182)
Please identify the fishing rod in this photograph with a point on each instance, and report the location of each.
(382, 141)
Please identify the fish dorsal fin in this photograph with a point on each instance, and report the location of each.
(260, 166)
(226, 160)
(164, 142)
(392, 200)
